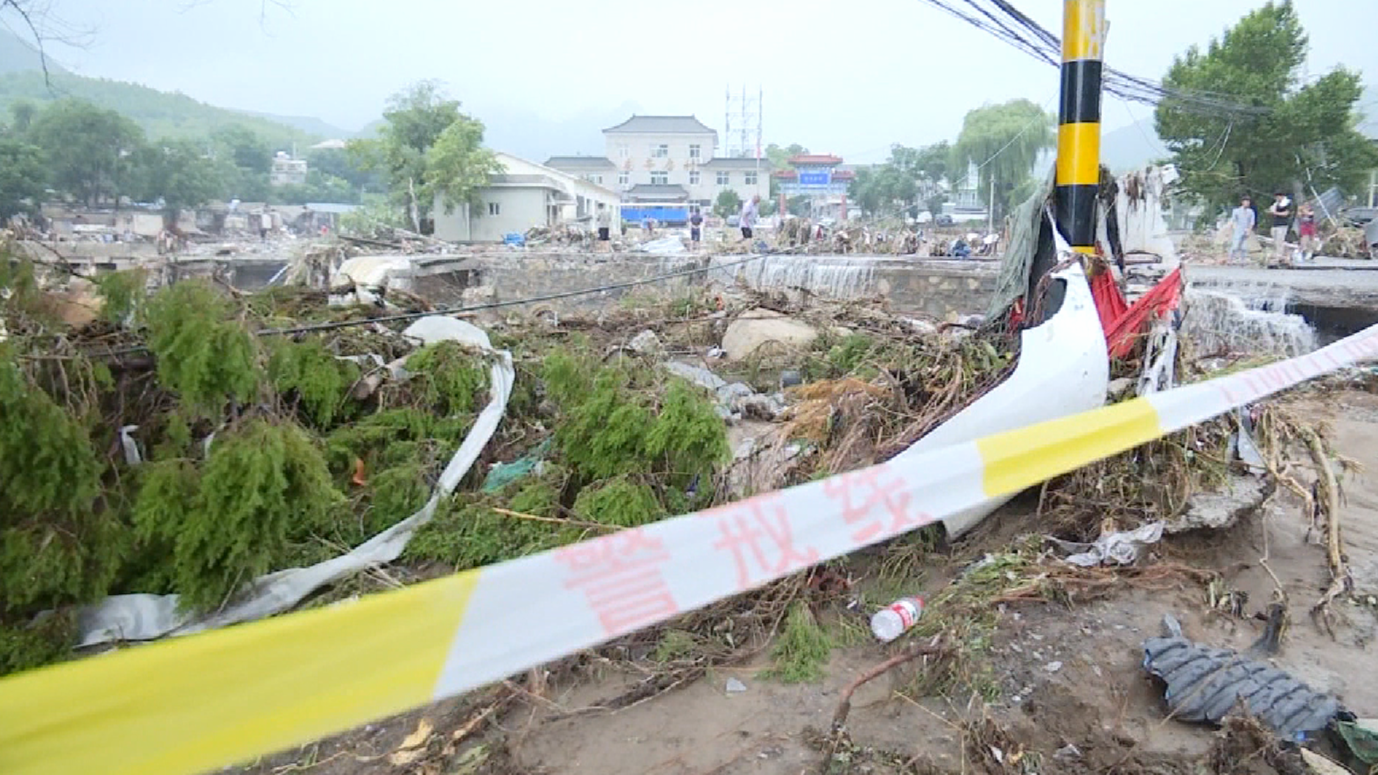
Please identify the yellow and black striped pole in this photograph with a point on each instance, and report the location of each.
(1078, 118)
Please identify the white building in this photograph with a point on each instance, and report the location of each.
(287, 171)
(668, 159)
(524, 195)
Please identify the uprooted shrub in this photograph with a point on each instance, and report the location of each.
(204, 355)
(314, 380)
(58, 543)
(264, 488)
(625, 418)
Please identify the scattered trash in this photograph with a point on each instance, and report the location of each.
(1113, 548)
(1203, 684)
(665, 246)
(503, 474)
(735, 687)
(1053, 667)
(790, 378)
(1068, 751)
(890, 622)
(130, 446)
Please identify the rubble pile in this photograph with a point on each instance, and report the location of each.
(1343, 242)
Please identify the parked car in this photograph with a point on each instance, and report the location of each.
(944, 220)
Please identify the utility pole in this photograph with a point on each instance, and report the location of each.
(990, 210)
(1079, 115)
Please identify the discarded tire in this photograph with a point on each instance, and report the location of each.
(1204, 684)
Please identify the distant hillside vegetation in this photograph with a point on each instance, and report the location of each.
(161, 114)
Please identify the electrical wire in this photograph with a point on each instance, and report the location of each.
(1047, 47)
(405, 316)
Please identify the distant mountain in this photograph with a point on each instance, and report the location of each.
(161, 114)
(308, 124)
(18, 55)
(525, 134)
(1131, 147)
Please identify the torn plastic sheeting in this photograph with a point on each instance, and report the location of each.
(130, 446)
(1118, 548)
(664, 246)
(146, 617)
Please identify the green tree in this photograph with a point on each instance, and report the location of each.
(1007, 140)
(458, 165)
(319, 187)
(728, 203)
(415, 122)
(89, 150)
(22, 115)
(779, 157)
(22, 177)
(337, 163)
(180, 173)
(1305, 134)
(244, 148)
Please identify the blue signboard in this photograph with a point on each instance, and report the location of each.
(820, 178)
(663, 214)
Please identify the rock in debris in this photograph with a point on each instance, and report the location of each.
(735, 687)
(647, 343)
(756, 327)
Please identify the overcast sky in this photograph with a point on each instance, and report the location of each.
(850, 78)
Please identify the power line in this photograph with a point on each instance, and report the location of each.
(1047, 48)
(405, 316)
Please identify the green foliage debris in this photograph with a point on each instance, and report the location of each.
(203, 355)
(263, 487)
(803, 648)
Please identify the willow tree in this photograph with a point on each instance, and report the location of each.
(1005, 141)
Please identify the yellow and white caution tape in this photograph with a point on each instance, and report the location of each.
(197, 703)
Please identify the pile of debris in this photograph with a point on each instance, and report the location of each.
(1344, 242)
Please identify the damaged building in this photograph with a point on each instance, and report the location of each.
(522, 196)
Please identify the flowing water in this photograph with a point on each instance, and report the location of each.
(1252, 319)
(837, 277)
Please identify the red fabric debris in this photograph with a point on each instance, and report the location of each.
(1126, 323)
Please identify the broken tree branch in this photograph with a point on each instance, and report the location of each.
(935, 647)
(1328, 505)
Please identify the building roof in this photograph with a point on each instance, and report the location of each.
(736, 163)
(673, 125)
(815, 159)
(329, 145)
(543, 181)
(591, 163)
(647, 193)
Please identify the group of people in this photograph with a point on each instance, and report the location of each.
(750, 214)
(1244, 220)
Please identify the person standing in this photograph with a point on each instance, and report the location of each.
(604, 223)
(695, 229)
(1243, 220)
(1281, 211)
(750, 211)
(1306, 230)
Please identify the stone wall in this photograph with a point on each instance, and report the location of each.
(935, 288)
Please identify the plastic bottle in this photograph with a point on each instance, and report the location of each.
(890, 622)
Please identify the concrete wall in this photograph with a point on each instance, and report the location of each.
(940, 289)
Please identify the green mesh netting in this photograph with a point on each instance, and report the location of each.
(1013, 281)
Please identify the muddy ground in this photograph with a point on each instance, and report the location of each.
(1059, 689)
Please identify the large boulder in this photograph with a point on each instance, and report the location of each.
(757, 327)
